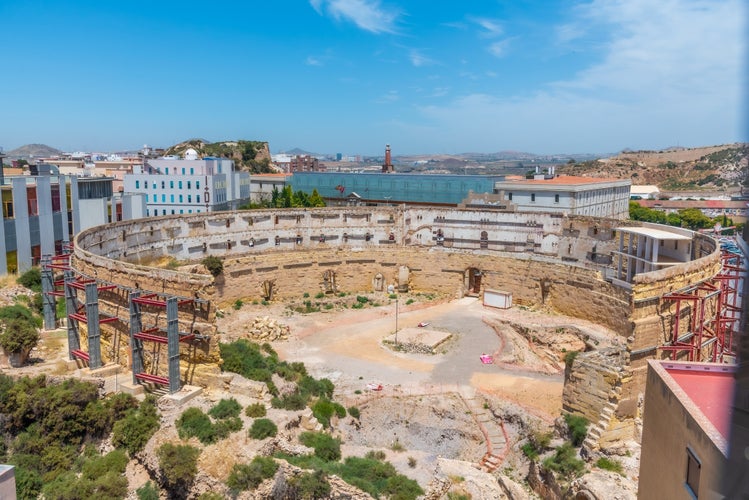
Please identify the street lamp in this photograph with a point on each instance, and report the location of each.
(396, 317)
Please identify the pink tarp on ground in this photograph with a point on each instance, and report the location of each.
(486, 359)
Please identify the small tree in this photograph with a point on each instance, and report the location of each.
(19, 336)
(214, 265)
(249, 476)
(31, 279)
(263, 428)
(178, 463)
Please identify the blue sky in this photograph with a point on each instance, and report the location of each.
(349, 76)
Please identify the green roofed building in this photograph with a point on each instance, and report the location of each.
(344, 188)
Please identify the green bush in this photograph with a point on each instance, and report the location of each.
(263, 428)
(569, 358)
(226, 426)
(326, 447)
(537, 443)
(361, 300)
(136, 428)
(609, 464)
(354, 412)
(225, 408)
(400, 487)
(294, 401)
(565, 462)
(214, 265)
(578, 427)
(178, 463)
(194, 423)
(31, 279)
(147, 492)
(238, 304)
(376, 455)
(323, 410)
(320, 295)
(18, 336)
(245, 477)
(311, 485)
(255, 410)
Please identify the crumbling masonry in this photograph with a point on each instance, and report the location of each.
(578, 266)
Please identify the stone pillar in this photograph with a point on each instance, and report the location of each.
(74, 341)
(172, 334)
(136, 325)
(48, 300)
(92, 322)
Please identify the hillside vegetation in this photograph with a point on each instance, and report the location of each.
(715, 167)
(248, 156)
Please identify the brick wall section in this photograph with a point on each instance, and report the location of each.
(545, 259)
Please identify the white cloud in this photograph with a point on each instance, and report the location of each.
(390, 96)
(669, 72)
(490, 27)
(418, 59)
(499, 49)
(368, 15)
(313, 61)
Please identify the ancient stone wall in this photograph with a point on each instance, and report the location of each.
(549, 259)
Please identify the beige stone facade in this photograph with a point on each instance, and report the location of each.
(562, 263)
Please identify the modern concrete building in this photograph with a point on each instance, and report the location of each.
(567, 194)
(186, 186)
(7, 482)
(342, 188)
(262, 186)
(686, 427)
(41, 213)
(557, 194)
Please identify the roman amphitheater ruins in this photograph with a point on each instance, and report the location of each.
(657, 287)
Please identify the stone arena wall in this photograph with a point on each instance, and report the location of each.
(556, 261)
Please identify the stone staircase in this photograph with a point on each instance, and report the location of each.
(592, 441)
(497, 444)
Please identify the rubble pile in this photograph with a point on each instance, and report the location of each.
(265, 329)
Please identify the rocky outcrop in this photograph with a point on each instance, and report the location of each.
(602, 485)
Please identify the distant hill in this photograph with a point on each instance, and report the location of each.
(32, 151)
(674, 169)
(248, 156)
(299, 152)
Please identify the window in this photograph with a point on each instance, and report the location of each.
(137, 184)
(163, 212)
(163, 184)
(163, 198)
(197, 199)
(188, 184)
(509, 196)
(556, 198)
(192, 171)
(172, 211)
(183, 170)
(693, 473)
(197, 184)
(171, 184)
(189, 198)
(181, 211)
(533, 196)
(171, 198)
(179, 184)
(180, 198)
(154, 185)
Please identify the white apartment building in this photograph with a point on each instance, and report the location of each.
(566, 194)
(187, 186)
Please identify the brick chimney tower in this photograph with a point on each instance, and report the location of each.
(387, 167)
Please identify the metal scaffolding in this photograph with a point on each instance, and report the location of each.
(712, 312)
